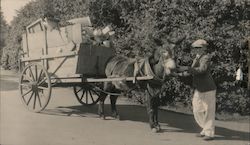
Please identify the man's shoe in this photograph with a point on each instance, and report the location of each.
(208, 138)
(199, 135)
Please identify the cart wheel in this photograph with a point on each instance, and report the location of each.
(86, 94)
(35, 87)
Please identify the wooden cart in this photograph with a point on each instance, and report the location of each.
(61, 57)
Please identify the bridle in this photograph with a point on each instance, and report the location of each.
(166, 59)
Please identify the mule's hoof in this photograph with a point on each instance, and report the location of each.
(154, 130)
(102, 117)
(158, 128)
(117, 117)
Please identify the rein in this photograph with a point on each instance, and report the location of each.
(110, 93)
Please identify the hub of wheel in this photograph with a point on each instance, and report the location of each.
(34, 87)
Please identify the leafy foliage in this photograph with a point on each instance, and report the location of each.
(224, 24)
(143, 25)
(3, 33)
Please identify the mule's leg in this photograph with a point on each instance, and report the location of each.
(107, 86)
(101, 106)
(156, 102)
(150, 110)
(113, 100)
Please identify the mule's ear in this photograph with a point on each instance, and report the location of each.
(172, 46)
(168, 46)
(164, 46)
(155, 55)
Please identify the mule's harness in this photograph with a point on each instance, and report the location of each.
(141, 68)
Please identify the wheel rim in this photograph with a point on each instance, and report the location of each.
(86, 94)
(35, 87)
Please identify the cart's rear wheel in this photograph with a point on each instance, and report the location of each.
(35, 87)
(86, 94)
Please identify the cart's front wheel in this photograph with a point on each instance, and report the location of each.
(86, 94)
(35, 87)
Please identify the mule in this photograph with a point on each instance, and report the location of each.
(159, 65)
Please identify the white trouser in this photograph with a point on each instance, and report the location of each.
(204, 111)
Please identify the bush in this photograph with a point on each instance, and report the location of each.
(224, 24)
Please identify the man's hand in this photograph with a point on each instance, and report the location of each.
(174, 74)
(182, 68)
(184, 74)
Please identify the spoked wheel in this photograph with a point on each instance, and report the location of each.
(35, 87)
(86, 94)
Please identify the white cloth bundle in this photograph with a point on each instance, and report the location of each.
(239, 74)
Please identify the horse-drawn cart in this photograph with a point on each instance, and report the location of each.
(63, 57)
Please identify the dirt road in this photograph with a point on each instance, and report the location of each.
(66, 122)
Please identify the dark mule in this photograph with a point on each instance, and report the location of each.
(159, 65)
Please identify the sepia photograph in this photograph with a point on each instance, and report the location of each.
(125, 72)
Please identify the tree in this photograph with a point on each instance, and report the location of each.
(3, 33)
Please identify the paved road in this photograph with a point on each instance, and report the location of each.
(66, 122)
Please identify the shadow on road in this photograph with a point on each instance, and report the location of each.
(171, 121)
(8, 85)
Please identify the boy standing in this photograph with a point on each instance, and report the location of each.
(204, 90)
